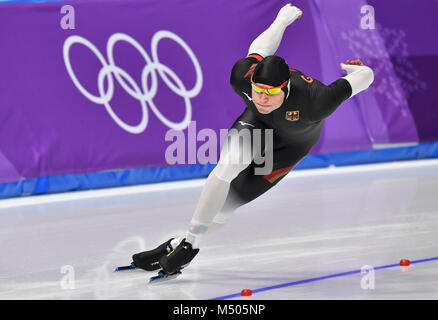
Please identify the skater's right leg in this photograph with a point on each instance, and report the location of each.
(212, 200)
(236, 155)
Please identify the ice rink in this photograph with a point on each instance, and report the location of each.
(307, 238)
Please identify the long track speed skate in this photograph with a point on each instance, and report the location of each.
(148, 260)
(173, 262)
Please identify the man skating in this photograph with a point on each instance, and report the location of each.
(279, 99)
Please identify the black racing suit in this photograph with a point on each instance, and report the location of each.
(296, 125)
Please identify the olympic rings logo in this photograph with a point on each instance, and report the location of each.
(144, 94)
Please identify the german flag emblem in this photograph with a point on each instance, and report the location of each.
(293, 115)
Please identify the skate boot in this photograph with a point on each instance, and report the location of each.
(149, 260)
(174, 261)
(178, 258)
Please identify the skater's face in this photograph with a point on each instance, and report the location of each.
(267, 103)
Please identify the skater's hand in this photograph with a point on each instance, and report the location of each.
(288, 14)
(351, 65)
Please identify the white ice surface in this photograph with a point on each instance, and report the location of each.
(314, 223)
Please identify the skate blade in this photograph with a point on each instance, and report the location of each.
(124, 268)
(163, 277)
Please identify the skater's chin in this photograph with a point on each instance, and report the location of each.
(264, 109)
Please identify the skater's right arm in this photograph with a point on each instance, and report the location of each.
(267, 43)
(264, 45)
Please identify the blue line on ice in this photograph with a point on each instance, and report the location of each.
(294, 283)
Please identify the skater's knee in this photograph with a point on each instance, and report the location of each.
(233, 160)
(228, 171)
